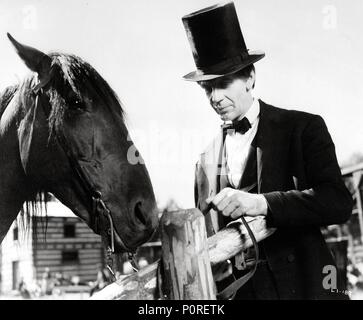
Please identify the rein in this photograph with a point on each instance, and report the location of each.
(230, 291)
(101, 214)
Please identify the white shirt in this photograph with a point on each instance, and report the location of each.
(237, 145)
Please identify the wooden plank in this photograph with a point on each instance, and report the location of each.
(141, 285)
(352, 169)
(89, 252)
(93, 262)
(48, 263)
(68, 268)
(46, 252)
(61, 239)
(90, 256)
(57, 257)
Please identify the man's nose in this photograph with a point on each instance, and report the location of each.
(216, 97)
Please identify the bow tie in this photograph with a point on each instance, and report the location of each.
(241, 126)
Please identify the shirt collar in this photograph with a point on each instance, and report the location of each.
(253, 112)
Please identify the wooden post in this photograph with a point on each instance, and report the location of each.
(187, 269)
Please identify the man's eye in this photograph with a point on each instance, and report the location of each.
(223, 83)
(220, 83)
(208, 89)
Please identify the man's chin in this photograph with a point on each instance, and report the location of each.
(226, 117)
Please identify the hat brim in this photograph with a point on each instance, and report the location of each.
(200, 75)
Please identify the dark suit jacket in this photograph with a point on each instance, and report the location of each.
(298, 173)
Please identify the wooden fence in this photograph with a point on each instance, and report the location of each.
(185, 270)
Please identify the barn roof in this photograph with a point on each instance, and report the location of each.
(57, 209)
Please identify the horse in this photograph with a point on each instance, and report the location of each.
(63, 131)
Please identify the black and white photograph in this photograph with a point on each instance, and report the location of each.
(200, 150)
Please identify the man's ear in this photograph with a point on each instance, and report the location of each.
(34, 59)
(250, 82)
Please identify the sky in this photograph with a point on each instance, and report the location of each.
(313, 63)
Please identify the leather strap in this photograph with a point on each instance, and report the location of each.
(231, 289)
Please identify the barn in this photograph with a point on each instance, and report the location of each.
(68, 247)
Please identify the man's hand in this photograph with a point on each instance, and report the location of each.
(236, 203)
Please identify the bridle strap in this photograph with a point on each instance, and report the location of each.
(133, 262)
(78, 170)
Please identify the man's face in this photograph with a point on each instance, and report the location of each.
(229, 96)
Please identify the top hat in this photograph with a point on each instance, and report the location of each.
(217, 42)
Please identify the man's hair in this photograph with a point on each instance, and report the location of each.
(240, 74)
(245, 72)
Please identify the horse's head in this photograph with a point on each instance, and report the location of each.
(74, 143)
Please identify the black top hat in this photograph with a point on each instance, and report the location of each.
(217, 42)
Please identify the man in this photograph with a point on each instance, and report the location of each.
(270, 162)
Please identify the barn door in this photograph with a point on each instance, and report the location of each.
(15, 275)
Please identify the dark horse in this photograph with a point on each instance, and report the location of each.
(62, 131)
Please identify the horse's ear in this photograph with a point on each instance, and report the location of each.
(34, 59)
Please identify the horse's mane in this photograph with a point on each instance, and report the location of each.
(6, 96)
(34, 207)
(81, 77)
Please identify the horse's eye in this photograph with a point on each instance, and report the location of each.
(77, 105)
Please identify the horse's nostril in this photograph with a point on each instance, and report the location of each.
(138, 213)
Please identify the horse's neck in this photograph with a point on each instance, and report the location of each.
(13, 185)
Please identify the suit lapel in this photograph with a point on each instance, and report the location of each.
(212, 164)
(271, 146)
(248, 179)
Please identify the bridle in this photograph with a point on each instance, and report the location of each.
(100, 213)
